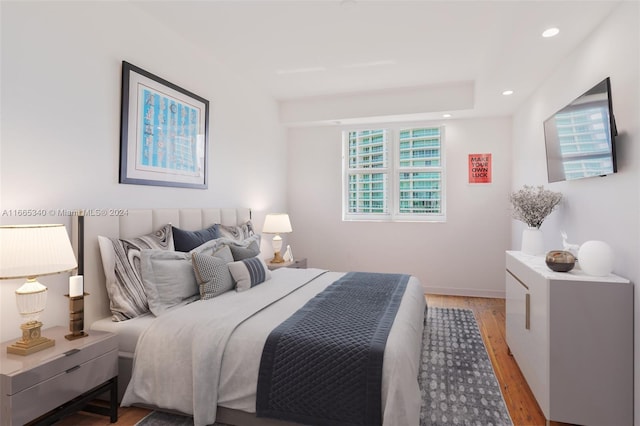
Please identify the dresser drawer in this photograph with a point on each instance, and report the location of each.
(43, 397)
(43, 366)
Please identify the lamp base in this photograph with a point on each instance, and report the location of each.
(277, 258)
(32, 340)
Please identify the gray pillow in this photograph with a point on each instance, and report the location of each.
(212, 275)
(224, 253)
(212, 246)
(168, 279)
(241, 253)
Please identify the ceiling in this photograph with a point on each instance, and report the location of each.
(301, 49)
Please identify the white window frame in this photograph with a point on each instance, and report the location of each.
(393, 171)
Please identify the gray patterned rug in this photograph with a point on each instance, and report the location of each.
(457, 381)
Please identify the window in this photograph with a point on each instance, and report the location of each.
(394, 174)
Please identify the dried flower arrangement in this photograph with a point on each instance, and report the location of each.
(532, 205)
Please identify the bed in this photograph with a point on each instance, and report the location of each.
(202, 357)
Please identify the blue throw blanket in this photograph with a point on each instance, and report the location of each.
(323, 365)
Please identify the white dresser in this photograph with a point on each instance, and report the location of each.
(572, 337)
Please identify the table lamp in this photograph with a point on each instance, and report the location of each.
(277, 223)
(31, 251)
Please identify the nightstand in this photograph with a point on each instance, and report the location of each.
(296, 263)
(45, 386)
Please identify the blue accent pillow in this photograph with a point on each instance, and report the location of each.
(188, 240)
(249, 273)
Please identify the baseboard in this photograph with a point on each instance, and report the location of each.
(468, 292)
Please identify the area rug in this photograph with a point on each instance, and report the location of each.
(457, 381)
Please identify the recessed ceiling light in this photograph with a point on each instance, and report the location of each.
(446, 115)
(550, 32)
(507, 92)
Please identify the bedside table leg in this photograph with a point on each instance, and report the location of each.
(83, 403)
(113, 412)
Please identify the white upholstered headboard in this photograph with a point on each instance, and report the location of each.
(132, 223)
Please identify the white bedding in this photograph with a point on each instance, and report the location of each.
(128, 331)
(207, 353)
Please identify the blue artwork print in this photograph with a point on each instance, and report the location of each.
(169, 134)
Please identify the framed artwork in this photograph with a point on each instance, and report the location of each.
(164, 135)
(480, 168)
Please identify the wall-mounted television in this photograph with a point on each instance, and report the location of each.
(580, 138)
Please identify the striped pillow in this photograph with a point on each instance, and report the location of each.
(249, 273)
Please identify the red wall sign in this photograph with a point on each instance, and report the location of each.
(479, 168)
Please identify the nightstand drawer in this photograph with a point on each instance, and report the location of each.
(55, 391)
(44, 366)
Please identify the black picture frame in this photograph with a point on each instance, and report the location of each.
(164, 132)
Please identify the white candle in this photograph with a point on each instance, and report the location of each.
(76, 286)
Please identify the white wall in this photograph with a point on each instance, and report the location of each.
(465, 255)
(60, 124)
(596, 208)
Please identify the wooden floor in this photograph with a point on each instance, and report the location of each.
(490, 314)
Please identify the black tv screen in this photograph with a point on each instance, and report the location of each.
(580, 138)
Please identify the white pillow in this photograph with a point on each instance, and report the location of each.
(248, 273)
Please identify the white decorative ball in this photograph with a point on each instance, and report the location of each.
(596, 258)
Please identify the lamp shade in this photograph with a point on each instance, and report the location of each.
(277, 223)
(34, 250)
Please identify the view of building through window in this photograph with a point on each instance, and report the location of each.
(584, 146)
(394, 174)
